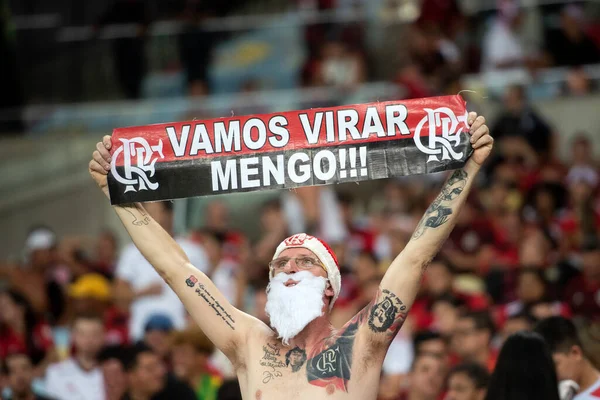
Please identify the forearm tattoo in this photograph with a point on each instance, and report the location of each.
(144, 217)
(439, 211)
(211, 301)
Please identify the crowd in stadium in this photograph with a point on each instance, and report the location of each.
(524, 256)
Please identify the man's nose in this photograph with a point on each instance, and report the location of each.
(291, 266)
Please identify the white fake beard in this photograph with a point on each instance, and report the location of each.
(291, 308)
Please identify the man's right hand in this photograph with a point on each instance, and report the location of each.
(100, 163)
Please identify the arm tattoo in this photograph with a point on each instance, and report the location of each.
(145, 219)
(211, 301)
(439, 211)
(387, 313)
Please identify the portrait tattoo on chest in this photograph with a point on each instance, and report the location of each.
(272, 359)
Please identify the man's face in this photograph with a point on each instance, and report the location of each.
(158, 341)
(182, 358)
(467, 340)
(433, 346)
(461, 387)
(427, 376)
(149, 375)
(88, 336)
(114, 376)
(438, 278)
(299, 259)
(20, 373)
(567, 365)
(297, 293)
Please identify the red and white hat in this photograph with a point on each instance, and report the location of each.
(322, 251)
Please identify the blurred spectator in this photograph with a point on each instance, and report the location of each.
(445, 313)
(39, 279)
(361, 238)
(339, 66)
(23, 331)
(524, 371)
(112, 360)
(467, 382)
(190, 358)
(17, 371)
(195, 47)
(225, 273)
(146, 374)
(314, 210)
(502, 47)
(472, 337)
(147, 377)
(570, 360)
(533, 296)
(105, 259)
(520, 321)
(230, 390)
(426, 378)
(157, 330)
(129, 51)
(583, 292)
(80, 376)
(578, 83)
(217, 219)
(137, 280)
(570, 45)
(523, 126)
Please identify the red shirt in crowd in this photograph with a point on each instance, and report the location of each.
(583, 295)
(11, 342)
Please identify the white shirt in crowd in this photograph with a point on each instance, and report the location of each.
(137, 271)
(399, 356)
(501, 45)
(66, 380)
(592, 393)
(224, 278)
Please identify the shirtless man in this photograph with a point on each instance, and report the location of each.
(301, 355)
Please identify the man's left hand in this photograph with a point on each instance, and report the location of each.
(481, 140)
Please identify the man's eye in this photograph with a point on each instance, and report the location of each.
(281, 264)
(305, 262)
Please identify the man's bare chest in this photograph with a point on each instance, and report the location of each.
(331, 370)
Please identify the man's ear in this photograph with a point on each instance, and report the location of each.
(329, 290)
(576, 351)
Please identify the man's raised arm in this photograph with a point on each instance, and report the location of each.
(400, 285)
(224, 325)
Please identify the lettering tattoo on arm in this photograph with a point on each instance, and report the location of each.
(211, 301)
(440, 210)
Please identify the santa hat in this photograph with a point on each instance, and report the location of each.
(323, 253)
